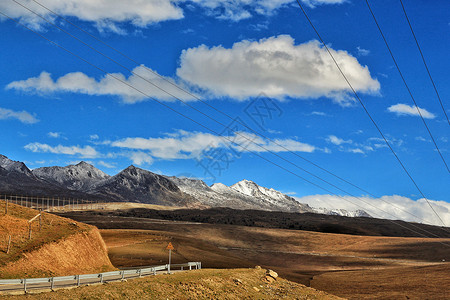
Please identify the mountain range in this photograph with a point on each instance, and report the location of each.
(138, 185)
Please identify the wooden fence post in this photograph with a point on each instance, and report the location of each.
(9, 244)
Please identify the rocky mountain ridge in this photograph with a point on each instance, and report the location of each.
(138, 185)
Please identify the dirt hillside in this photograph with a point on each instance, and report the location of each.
(60, 247)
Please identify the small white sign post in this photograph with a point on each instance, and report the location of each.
(170, 248)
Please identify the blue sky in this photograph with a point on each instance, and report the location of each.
(239, 57)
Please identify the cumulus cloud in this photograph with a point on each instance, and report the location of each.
(78, 82)
(388, 207)
(22, 116)
(277, 67)
(84, 152)
(104, 14)
(110, 15)
(139, 158)
(186, 145)
(409, 110)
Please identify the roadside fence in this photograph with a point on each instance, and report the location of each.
(27, 284)
(50, 204)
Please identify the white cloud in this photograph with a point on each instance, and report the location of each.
(54, 135)
(139, 158)
(356, 150)
(94, 137)
(185, 145)
(362, 51)
(386, 206)
(107, 165)
(337, 141)
(318, 113)
(84, 152)
(407, 110)
(78, 82)
(22, 116)
(421, 138)
(105, 14)
(276, 67)
(237, 10)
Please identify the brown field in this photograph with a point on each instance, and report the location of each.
(349, 266)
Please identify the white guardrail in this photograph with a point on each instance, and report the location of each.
(78, 280)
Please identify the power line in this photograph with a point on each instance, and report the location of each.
(367, 112)
(204, 102)
(425, 63)
(189, 118)
(406, 85)
(206, 114)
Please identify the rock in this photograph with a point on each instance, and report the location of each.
(269, 279)
(272, 274)
(258, 267)
(237, 281)
(256, 289)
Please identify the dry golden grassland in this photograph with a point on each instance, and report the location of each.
(349, 266)
(61, 246)
(197, 284)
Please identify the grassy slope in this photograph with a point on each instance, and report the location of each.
(54, 231)
(198, 284)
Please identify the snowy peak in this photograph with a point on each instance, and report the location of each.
(221, 188)
(81, 176)
(189, 183)
(14, 166)
(250, 188)
(260, 197)
(342, 212)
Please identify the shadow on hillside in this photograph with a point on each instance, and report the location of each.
(429, 251)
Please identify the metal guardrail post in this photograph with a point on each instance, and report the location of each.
(140, 273)
(52, 280)
(101, 278)
(25, 285)
(154, 271)
(123, 275)
(78, 280)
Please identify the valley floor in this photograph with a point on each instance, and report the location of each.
(349, 266)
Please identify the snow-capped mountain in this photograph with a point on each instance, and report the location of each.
(80, 177)
(220, 195)
(14, 166)
(138, 185)
(269, 197)
(342, 212)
